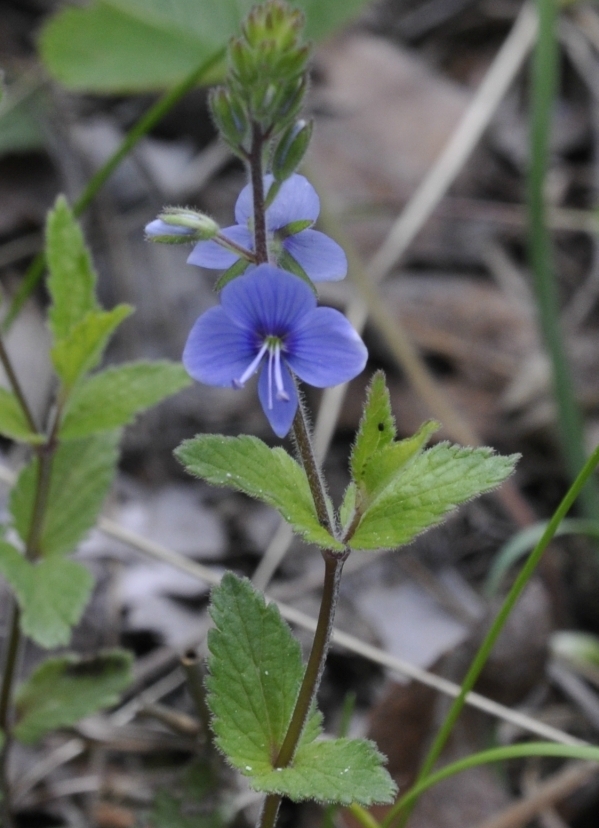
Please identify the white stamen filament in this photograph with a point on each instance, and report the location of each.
(252, 367)
(281, 393)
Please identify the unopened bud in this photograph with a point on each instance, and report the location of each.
(230, 118)
(178, 226)
(291, 149)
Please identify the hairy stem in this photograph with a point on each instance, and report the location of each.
(16, 386)
(13, 642)
(97, 181)
(312, 676)
(257, 178)
(305, 450)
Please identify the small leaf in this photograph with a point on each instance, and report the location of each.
(113, 397)
(270, 475)
(347, 508)
(338, 771)
(65, 689)
(13, 423)
(51, 594)
(256, 670)
(72, 281)
(82, 471)
(427, 489)
(376, 429)
(81, 350)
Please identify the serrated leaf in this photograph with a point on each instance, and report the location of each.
(82, 471)
(340, 771)
(65, 689)
(113, 397)
(256, 670)
(433, 484)
(391, 460)
(13, 423)
(270, 475)
(141, 45)
(51, 594)
(72, 280)
(376, 429)
(81, 350)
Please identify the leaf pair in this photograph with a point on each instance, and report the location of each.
(255, 673)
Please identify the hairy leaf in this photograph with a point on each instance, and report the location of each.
(340, 771)
(65, 689)
(113, 397)
(270, 475)
(429, 487)
(256, 670)
(81, 350)
(13, 423)
(51, 594)
(72, 281)
(376, 429)
(82, 471)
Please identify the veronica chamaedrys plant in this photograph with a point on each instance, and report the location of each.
(268, 320)
(261, 696)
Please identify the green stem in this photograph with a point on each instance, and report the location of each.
(8, 674)
(487, 645)
(257, 178)
(135, 134)
(305, 450)
(16, 386)
(544, 83)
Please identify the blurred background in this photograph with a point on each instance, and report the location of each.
(423, 177)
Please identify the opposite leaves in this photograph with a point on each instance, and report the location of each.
(255, 675)
(270, 475)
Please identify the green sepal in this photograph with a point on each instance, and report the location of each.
(113, 397)
(13, 422)
(63, 690)
(82, 471)
(255, 671)
(81, 350)
(294, 227)
(237, 269)
(72, 280)
(286, 261)
(270, 475)
(51, 594)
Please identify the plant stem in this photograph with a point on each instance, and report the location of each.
(16, 386)
(487, 645)
(312, 676)
(135, 134)
(8, 674)
(305, 450)
(257, 178)
(544, 82)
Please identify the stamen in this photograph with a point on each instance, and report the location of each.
(281, 393)
(270, 355)
(252, 367)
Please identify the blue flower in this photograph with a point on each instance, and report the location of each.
(288, 221)
(269, 320)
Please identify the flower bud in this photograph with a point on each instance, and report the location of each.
(291, 149)
(179, 226)
(230, 117)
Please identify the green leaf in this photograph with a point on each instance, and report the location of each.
(20, 115)
(342, 771)
(270, 475)
(82, 471)
(81, 350)
(13, 423)
(65, 689)
(376, 429)
(140, 45)
(427, 489)
(256, 670)
(72, 281)
(113, 397)
(51, 594)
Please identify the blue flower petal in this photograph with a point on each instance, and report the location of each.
(321, 257)
(268, 301)
(161, 228)
(281, 415)
(296, 201)
(325, 350)
(217, 351)
(212, 255)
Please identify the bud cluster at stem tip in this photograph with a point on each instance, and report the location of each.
(265, 87)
